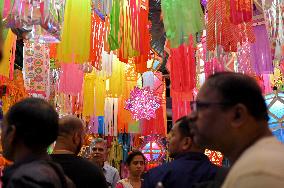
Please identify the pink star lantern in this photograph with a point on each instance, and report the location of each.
(142, 103)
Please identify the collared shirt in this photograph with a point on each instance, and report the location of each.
(261, 165)
(186, 170)
(111, 175)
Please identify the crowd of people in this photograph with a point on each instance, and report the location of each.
(229, 115)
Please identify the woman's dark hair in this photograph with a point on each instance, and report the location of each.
(132, 155)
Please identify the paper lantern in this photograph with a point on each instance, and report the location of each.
(214, 156)
(275, 105)
(154, 150)
(142, 103)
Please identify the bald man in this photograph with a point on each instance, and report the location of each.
(69, 142)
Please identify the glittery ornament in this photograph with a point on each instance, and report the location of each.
(142, 103)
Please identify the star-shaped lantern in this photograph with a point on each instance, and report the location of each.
(142, 103)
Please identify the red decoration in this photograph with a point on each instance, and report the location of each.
(221, 31)
(97, 37)
(214, 156)
(183, 77)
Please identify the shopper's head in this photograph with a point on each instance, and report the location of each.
(229, 111)
(71, 133)
(181, 138)
(30, 126)
(99, 151)
(136, 163)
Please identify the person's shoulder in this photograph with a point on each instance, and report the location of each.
(87, 164)
(159, 169)
(264, 157)
(108, 167)
(267, 152)
(37, 171)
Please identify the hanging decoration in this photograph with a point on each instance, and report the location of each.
(89, 94)
(275, 105)
(97, 35)
(154, 150)
(7, 63)
(75, 43)
(273, 14)
(261, 52)
(240, 11)
(219, 27)
(36, 68)
(13, 90)
(182, 19)
(110, 120)
(183, 77)
(142, 103)
(113, 38)
(102, 7)
(43, 19)
(71, 79)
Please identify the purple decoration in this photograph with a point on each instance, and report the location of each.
(142, 103)
(261, 58)
(204, 2)
(93, 125)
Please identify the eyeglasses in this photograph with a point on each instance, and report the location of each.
(197, 105)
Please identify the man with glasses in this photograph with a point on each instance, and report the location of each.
(190, 165)
(99, 157)
(230, 115)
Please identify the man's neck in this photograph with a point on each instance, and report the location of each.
(24, 154)
(237, 151)
(62, 148)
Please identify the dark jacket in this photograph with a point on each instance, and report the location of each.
(186, 170)
(216, 182)
(82, 172)
(35, 174)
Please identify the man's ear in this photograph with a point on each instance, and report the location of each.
(187, 143)
(76, 138)
(239, 115)
(11, 134)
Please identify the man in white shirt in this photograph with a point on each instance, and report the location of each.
(230, 115)
(99, 157)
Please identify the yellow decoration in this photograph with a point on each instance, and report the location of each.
(8, 45)
(100, 94)
(75, 45)
(89, 94)
(117, 79)
(16, 90)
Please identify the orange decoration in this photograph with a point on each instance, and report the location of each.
(52, 50)
(97, 36)
(220, 30)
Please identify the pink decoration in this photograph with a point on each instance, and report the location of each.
(71, 79)
(142, 103)
(244, 60)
